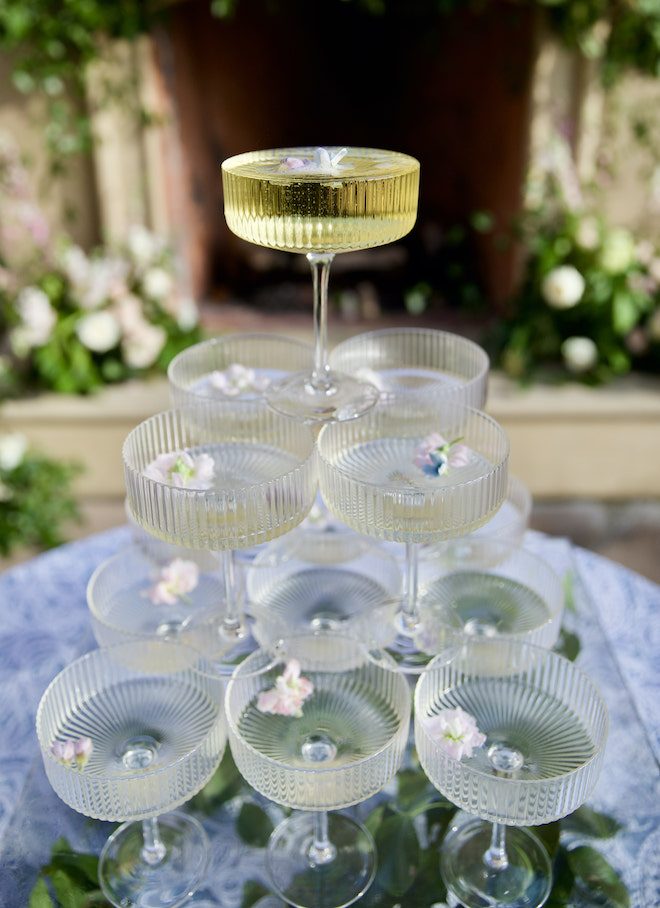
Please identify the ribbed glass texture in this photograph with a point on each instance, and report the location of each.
(271, 356)
(154, 713)
(359, 711)
(264, 478)
(121, 610)
(512, 519)
(530, 701)
(418, 360)
(369, 199)
(368, 479)
(478, 585)
(315, 579)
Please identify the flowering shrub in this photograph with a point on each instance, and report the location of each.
(72, 321)
(589, 303)
(35, 497)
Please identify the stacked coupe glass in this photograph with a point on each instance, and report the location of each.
(354, 495)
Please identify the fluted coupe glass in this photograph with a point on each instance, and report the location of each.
(235, 367)
(545, 727)
(125, 603)
(417, 360)
(484, 587)
(345, 744)
(152, 715)
(244, 477)
(368, 478)
(324, 579)
(318, 202)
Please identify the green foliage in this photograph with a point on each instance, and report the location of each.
(408, 830)
(616, 319)
(35, 502)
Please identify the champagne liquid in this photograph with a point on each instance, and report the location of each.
(369, 199)
(481, 603)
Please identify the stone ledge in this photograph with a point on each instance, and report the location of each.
(566, 441)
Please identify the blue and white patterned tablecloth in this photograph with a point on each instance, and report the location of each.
(45, 625)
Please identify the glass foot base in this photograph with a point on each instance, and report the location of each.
(342, 398)
(127, 880)
(525, 883)
(340, 881)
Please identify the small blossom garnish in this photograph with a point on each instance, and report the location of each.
(237, 379)
(322, 162)
(436, 456)
(182, 470)
(177, 578)
(69, 751)
(289, 693)
(456, 732)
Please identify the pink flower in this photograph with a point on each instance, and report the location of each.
(63, 750)
(82, 748)
(436, 456)
(456, 732)
(181, 470)
(176, 578)
(73, 751)
(289, 693)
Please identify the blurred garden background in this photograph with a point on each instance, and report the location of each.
(537, 126)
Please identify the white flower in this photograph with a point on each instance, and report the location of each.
(13, 447)
(237, 379)
(37, 315)
(75, 265)
(618, 252)
(182, 470)
(98, 331)
(588, 234)
(141, 347)
(186, 314)
(157, 283)
(580, 354)
(143, 247)
(562, 288)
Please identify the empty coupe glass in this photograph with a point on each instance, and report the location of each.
(417, 360)
(317, 728)
(221, 477)
(127, 733)
(513, 734)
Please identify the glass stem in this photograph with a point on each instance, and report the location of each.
(321, 851)
(233, 621)
(320, 265)
(153, 851)
(410, 614)
(495, 857)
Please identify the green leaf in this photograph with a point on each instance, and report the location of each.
(568, 644)
(563, 881)
(586, 821)
(398, 854)
(252, 892)
(624, 312)
(225, 783)
(40, 896)
(548, 833)
(253, 825)
(413, 788)
(598, 875)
